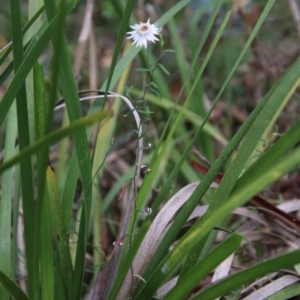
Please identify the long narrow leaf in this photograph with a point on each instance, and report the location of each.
(204, 267)
(60, 233)
(25, 165)
(39, 45)
(55, 136)
(236, 280)
(12, 287)
(202, 227)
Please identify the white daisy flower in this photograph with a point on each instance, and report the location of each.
(143, 33)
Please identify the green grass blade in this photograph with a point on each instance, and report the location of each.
(273, 155)
(124, 61)
(44, 109)
(188, 114)
(12, 287)
(15, 214)
(55, 136)
(236, 280)
(155, 167)
(39, 45)
(185, 212)
(254, 32)
(43, 222)
(122, 31)
(25, 166)
(132, 53)
(6, 200)
(146, 183)
(202, 227)
(204, 267)
(126, 263)
(267, 175)
(244, 128)
(81, 145)
(166, 187)
(280, 94)
(46, 251)
(5, 53)
(60, 233)
(69, 190)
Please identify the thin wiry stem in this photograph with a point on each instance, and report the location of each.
(131, 207)
(137, 120)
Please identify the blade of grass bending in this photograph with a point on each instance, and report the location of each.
(12, 287)
(39, 45)
(202, 227)
(204, 267)
(55, 136)
(236, 280)
(25, 165)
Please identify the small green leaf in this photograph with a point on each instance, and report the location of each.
(163, 69)
(168, 50)
(155, 92)
(154, 84)
(143, 70)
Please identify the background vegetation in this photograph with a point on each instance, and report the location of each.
(112, 156)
